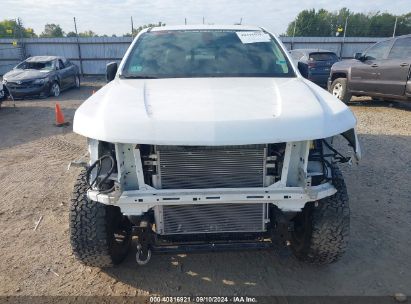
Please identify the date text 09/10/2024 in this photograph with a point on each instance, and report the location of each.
(203, 299)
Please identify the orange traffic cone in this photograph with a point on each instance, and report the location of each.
(60, 117)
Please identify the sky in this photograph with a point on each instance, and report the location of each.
(113, 16)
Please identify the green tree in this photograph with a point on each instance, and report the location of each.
(404, 25)
(325, 23)
(71, 34)
(52, 30)
(12, 29)
(142, 27)
(88, 33)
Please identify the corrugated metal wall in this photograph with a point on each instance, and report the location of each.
(342, 47)
(98, 51)
(9, 55)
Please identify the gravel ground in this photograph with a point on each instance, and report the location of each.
(34, 183)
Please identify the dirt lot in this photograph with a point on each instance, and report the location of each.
(34, 182)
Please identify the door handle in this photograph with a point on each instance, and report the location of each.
(374, 65)
(404, 64)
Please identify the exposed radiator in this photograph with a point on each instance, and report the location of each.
(211, 167)
(213, 218)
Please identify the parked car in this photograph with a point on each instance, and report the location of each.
(382, 71)
(314, 64)
(208, 138)
(41, 76)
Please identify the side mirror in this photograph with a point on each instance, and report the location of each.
(358, 56)
(111, 70)
(302, 68)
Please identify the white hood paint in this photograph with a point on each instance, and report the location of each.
(211, 111)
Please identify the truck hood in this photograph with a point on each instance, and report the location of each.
(211, 111)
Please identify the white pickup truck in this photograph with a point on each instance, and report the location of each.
(208, 138)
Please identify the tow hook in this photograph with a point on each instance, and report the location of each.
(80, 163)
(142, 256)
(144, 234)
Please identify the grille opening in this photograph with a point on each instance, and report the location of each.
(199, 167)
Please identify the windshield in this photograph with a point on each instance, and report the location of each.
(46, 65)
(172, 54)
(323, 57)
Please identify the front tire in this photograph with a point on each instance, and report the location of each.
(77, 82)
(322, 229)
(55, 89)
(100, 235)
(339, 89)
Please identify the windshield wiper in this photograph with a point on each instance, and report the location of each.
(138, 77)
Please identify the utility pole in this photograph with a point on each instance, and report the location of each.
(241, 20)
(185, 21)
(203, 20)
(20, 38)
(292, 39)
(132, 28)
(343, 41)
(395, 26)
(78, 47)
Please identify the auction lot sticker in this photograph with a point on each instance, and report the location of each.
(253, 37)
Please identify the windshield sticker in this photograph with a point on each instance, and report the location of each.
(253, 37)
(136, 68)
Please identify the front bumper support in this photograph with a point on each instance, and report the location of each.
(137, 202)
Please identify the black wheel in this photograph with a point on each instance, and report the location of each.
(100, 235)
(321, 230)
(77, 82)
(340, 90)
(55, 89)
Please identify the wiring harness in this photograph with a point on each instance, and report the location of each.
(98, 181)
(326, 164)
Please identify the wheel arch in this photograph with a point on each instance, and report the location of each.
(338, 74)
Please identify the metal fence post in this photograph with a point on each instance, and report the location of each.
(292, 39)
(132, 28)
(79, 49)
(395, 26)
(343, 40)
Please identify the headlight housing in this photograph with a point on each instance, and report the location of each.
(41, 80)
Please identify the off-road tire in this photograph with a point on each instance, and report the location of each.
(92, 229)
(326, 226)
(345, 95)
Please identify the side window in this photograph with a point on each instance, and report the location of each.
(61, 64)
(401, 49)
(379, 50)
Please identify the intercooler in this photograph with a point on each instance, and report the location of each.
(212, 218)
(211, 167)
